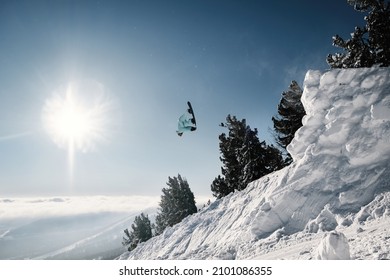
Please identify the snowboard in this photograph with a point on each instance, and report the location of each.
(191, 111)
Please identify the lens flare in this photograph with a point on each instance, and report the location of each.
(79, 117)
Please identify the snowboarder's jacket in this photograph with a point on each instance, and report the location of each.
(186, 122)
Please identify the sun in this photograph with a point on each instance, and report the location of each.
(78, 117)
(71, 121)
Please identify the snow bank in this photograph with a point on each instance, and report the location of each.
(368, 239)
(341, 163)
(333, 246)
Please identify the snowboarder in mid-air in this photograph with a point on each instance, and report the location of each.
(186, 121)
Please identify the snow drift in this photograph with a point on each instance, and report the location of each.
(334, 246)
(341, 164)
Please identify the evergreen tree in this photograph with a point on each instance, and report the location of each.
(369, 45)
(289, 119)
(141, 232)
(230, 146)
(177, 202)
(220, 188)
(244, 158)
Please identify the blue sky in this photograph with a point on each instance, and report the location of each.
(150, 57)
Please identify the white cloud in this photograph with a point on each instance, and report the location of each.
(38, 207)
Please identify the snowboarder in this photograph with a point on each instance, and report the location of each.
(186, 121)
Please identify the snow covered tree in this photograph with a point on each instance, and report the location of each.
(244, 158)
(177, 202)
(141, 232)
(369, 45)
(289, 119)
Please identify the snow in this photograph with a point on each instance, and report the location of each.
(332, 202)
(333, 246)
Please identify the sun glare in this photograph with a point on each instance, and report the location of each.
(72, 122)
(78, 117)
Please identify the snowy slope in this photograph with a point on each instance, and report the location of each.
(338, 182)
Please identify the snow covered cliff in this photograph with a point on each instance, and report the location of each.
(338, 181)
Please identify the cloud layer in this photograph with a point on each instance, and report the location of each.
(39, 207)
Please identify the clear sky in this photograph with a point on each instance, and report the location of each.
(137, 63)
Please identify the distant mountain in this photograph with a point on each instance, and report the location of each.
(84, 236)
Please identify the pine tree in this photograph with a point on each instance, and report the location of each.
(141, 232)
(244, 158)
(230, 148)
(220, 188)
(369, 45)
(177, 202)
(289, 119)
